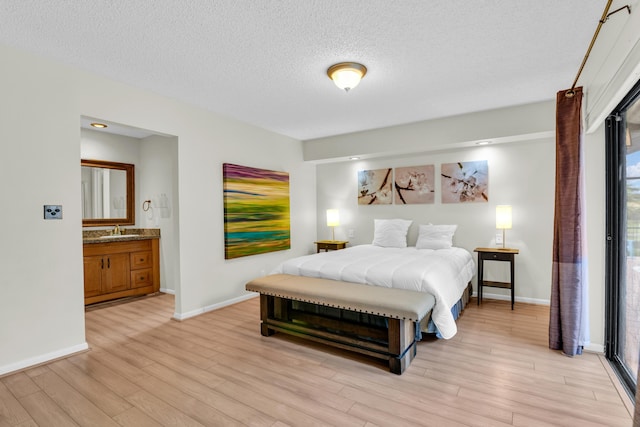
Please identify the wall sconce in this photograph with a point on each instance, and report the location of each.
(333, 220)
(503, 220)
(347, 75)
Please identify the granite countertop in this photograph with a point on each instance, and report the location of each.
(127, 234)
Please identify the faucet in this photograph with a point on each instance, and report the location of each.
(116, 231)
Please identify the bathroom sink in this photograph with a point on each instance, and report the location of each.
(118, 236)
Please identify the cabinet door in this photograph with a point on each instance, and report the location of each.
(116, 272)
(93, 268)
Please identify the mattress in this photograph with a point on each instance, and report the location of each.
(444, 273)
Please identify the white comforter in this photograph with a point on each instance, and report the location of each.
(444, 273)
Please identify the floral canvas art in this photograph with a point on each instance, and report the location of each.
(256, 211)
(374, 187)
(465, 182)
(414, 184)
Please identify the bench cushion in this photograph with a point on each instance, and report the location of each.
(387, 302)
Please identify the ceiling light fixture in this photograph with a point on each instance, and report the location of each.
(347, 75)
(99, 125)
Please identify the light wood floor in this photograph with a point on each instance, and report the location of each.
(216, 369)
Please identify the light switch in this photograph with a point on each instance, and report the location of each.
(498, 238)
(52, 211)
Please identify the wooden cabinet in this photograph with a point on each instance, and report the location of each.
(120, 269)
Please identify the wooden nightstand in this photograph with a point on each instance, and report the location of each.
(496, 254)
(330, 245)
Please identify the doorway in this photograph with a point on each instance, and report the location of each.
(155, 156)
(623, 239)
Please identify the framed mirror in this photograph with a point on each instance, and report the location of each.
(108, 193)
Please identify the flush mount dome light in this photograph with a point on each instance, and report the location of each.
(347, 75)
(99, 125)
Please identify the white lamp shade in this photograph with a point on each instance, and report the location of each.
(346, 79)
(333, 218)
(503, 217)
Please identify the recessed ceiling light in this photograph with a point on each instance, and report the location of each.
(354, 158)
(99, 125)
(483, 142)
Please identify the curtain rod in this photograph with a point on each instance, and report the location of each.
(605, 16)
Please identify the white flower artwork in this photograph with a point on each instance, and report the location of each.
(414, 185)
(374, 187)
(465, 182)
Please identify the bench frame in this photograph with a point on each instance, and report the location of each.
(395, 342)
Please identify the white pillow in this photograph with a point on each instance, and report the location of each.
(391, 233)
(435, 236)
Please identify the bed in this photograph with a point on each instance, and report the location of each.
(444, 273)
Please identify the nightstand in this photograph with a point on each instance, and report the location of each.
(330, 245)
(496, 254)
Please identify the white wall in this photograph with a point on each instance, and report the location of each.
(594, 163)
(96, 145)
(158, 173)
(520, 123)
(41, 292)
(41, 286)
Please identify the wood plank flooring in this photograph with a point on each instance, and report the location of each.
(145, 369)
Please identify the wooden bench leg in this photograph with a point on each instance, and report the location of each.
(401, 343)
(266, 311)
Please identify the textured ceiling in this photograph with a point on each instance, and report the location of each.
(264, 61)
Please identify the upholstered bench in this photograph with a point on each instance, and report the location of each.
(372, 320)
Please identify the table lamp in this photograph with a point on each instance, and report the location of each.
(503, 220)
(333, 220)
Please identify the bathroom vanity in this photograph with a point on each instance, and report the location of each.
(120, 266)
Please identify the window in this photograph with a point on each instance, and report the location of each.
(623, 239)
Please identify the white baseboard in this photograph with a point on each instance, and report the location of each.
(43, 358)
(167, 291)
(212, 307)
(517, 298)
(594, 348)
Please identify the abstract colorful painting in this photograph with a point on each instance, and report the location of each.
(465, 182)
(374, 187)
(256, 211)
(414, 184)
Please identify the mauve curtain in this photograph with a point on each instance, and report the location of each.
(568, 324)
